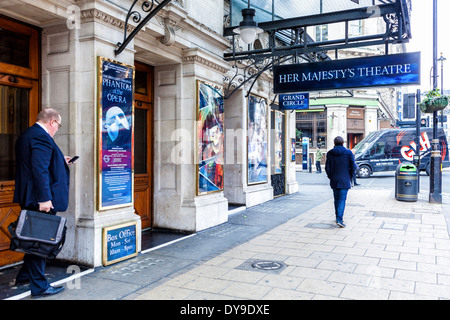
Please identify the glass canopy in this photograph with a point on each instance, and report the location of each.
(270, 10)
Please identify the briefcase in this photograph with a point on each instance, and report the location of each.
(38, 233)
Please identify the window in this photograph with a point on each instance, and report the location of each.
(14, 105)
(355, 28)
(140, 80)
(142, 119)
(322, 33)
(377, 149)
(19, 90)
(14, 48)
(321, 136)
(19, 45)
(312, 125)
(140, 140)
(409, 106)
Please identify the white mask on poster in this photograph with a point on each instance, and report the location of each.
(115, 119)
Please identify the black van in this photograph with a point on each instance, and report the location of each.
(384, 150)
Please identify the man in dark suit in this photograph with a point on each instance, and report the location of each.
(340, 167)
(42, 184)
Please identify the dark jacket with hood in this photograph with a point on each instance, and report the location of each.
(340, 167)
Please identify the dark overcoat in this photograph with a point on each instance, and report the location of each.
(42, 173)
(340, 167)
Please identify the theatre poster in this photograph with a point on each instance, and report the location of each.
(115, 134)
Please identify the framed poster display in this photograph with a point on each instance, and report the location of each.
(292, 150)
(257, 137)
(278, 142)
(119, 243)
(115, 134)
(210, 137)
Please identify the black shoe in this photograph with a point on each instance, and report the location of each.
(50, 291)
(22, 282)
(357, 184)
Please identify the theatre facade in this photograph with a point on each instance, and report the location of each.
(160, 143)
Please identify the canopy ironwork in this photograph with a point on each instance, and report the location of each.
(288, 39)
(151, 8)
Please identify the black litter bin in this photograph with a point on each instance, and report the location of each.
(406, 182)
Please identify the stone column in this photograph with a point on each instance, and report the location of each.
(69, 84)
(176, 203)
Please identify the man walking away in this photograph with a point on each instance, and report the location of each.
(340, 167)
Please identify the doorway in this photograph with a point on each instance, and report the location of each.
(143, 144)
(19, 106)
(353, 139)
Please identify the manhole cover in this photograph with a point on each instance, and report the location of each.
(260, 265)
(268, 265)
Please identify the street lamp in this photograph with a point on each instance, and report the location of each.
(435, 195)
(441, 60)
(248, 28)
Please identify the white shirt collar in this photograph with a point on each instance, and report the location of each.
(42, 126)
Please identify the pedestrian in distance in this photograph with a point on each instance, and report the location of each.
(319, 156)
(340, 167)
(42, 184)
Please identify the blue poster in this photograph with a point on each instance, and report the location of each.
(116, 133)
(376, 71)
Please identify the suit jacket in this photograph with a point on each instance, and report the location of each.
(340, 167)
(42, 173)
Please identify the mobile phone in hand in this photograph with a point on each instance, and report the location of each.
(73, 159)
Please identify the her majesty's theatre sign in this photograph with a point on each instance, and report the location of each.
(377, 71)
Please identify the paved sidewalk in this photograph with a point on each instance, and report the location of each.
(389, 250)
(289, 248)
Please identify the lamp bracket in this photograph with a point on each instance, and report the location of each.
(251, 70)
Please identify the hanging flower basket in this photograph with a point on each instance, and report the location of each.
(433, 102)
(436, 104)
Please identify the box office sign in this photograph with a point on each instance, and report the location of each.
(377, 71)
(119, 243)
(116, 140)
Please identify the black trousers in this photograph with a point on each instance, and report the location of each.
(33, 270)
